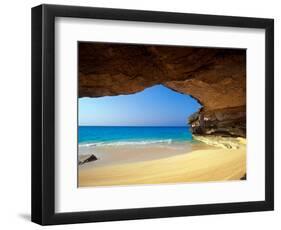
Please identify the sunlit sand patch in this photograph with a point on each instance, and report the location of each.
(197, 166)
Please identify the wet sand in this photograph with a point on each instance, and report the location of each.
(112, 155)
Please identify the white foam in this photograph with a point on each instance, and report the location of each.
(121, 143)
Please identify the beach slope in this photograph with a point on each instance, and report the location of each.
(196, 166)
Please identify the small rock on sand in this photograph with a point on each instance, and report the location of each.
(89, 159)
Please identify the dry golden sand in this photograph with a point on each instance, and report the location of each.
(197, 166)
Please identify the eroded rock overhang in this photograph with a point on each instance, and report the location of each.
(215, 77)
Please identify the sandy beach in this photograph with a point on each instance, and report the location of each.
(128, 166)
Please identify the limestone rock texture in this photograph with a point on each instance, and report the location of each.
(215, 77)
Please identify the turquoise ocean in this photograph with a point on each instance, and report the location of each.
(128, 135)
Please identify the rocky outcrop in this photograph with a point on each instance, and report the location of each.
(222, 142)
(222, 122)
(215, 77)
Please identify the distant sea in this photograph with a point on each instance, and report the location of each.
(128, 135)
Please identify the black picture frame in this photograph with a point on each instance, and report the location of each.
(43, 110)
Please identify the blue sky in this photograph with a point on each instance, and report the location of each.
(154, 106)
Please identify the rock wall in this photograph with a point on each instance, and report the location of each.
(223, 122)
(215, 77)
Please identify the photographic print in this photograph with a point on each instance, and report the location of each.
(153, 114)
(129, 103)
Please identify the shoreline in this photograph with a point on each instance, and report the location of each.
(201, 163)
(116, 154)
